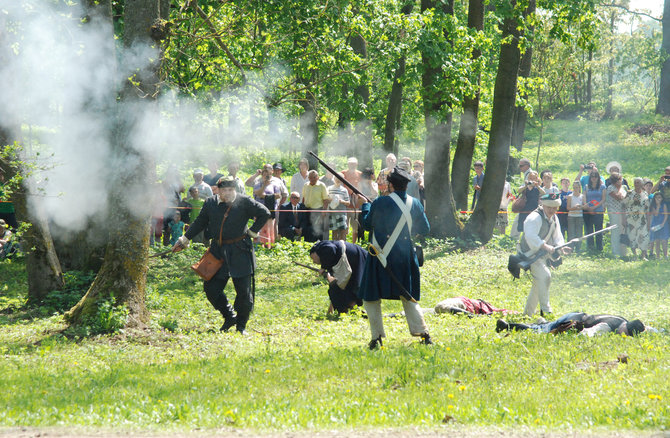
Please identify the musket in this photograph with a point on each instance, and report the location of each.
(312, 268)
(161, 254)
(337, 175)
(525, 264)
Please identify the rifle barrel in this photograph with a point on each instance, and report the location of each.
(342, 180)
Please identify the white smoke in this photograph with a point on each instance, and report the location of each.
(60, 77)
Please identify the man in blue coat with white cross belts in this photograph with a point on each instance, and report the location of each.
(392, 269)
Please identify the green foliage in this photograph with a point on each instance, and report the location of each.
(108, 318)
(76, 285)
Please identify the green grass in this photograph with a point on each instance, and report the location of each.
(301, 370)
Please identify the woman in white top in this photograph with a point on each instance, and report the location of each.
(576, 202)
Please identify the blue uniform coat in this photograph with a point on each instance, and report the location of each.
(381, 217)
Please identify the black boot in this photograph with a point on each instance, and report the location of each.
(375, 343)
(242, 319)
(229, 317)
(425, 339)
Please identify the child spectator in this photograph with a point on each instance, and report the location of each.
(6, 247)
(660, 231)
(563, 209)
(501, 219)
(477, 182)
(575, 207)
(176, 228)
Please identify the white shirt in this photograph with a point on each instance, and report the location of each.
(531, 231)
(298, 182)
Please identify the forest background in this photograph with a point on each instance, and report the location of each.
(114, 92)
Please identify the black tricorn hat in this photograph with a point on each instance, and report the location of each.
(226, 181)
(399, 175)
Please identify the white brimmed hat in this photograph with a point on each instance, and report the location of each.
(612, 164)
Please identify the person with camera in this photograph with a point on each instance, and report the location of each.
(584, 179)
(663, 185)
(541, 232)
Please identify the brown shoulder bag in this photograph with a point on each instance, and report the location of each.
(208, 265)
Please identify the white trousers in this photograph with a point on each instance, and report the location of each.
(415, 321)
(539, 291)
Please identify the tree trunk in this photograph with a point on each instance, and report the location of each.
(482, 222)
(362, 124)
(440, 206)
(309, 129)
(663, 105)
(520, 113)
(467, 132)
(393, 111)
(42, 266)
(589, 82)
(610, 71)
(122, 276)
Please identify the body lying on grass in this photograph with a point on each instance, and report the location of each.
(589, 325)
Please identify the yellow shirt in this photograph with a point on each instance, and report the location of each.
(314, 195)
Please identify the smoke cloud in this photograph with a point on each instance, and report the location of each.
(60, 80)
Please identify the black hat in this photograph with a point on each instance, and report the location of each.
(277, 166)
(226, 181)
(399, 175)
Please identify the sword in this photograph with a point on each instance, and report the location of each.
(161, 254)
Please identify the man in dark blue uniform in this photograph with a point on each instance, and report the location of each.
(224, 219)
(392, 269)
(342, 263)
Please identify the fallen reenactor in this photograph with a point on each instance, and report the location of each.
(470, 306)
(342, 266)
(588, 325)
(461, 305)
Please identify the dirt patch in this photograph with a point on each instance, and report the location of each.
(648, 129)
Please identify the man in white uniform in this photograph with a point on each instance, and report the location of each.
(541, 232)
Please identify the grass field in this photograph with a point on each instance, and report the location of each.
(301, 370)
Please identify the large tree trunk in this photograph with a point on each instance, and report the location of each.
(663, 105)
(392, 123)
(482, 222)
(362, 124)
(610, 71)
(309, 128)
(589, 82)
(440, 207)
(122, 276)
(42, 266)
(467, 132)
(520, 113)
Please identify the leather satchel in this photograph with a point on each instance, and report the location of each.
(209, 265)
(519, 204)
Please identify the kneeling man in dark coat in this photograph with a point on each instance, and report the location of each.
(224, 219)
(342, 262)
(392, 268)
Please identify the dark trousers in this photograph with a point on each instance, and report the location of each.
(342, 300)
(592, 223)
(244, 298)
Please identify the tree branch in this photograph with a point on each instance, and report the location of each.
(629, 11)
(219, 41)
